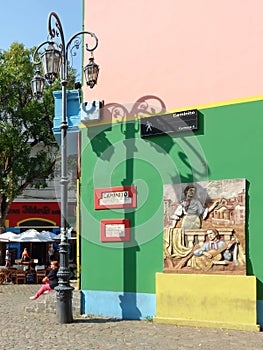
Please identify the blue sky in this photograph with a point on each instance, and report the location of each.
(25, 21)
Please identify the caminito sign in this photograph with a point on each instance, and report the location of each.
(170, 123)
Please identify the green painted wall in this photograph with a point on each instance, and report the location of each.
(227, 145)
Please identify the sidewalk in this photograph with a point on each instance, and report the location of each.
(24, 330)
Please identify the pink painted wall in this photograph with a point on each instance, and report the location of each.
(187, 52)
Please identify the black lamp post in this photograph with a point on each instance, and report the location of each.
(54, 62)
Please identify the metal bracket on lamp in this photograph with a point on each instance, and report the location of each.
(90, 111)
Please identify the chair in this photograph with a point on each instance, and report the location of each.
(20, 275)
(2, 276)
(40, 274)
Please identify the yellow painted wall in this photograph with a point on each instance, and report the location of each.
(206, 300)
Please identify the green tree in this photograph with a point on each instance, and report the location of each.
(28, 149)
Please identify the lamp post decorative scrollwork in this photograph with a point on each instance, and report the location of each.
(54, 62)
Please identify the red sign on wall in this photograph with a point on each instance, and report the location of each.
(115, 230)
(115, 197)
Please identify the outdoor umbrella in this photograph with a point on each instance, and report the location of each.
(50, 235)
(9, 237)
(33, 236)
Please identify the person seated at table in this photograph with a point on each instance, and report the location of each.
(7, 258)
(25, 256)
(50, 281)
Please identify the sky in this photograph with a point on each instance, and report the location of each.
(25, 21)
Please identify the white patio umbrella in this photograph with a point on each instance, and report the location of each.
(33, 236)
(49, 235)
(9, 237)
(4, 240)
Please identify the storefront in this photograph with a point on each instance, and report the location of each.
(38, 215)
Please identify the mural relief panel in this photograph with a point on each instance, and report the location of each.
(204, 227)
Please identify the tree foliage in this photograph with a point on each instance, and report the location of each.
(27, 144)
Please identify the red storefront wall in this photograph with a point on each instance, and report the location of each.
(38, 214)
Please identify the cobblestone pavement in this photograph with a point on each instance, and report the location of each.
(23, 330)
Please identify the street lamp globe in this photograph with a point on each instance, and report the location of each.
(51, 60)
(37, 85)
(91, 72)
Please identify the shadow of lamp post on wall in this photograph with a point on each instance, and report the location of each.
(54, 62)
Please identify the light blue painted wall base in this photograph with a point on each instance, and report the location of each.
(133, 306)
(129, 306)
(260, 313)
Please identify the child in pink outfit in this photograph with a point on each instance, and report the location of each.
(50, 281)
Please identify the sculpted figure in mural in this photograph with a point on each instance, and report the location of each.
(214, 252)
(192, 210)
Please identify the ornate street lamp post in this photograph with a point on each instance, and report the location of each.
(54, 61)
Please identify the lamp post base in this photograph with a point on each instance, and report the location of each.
(64, 289)
(64, 304)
